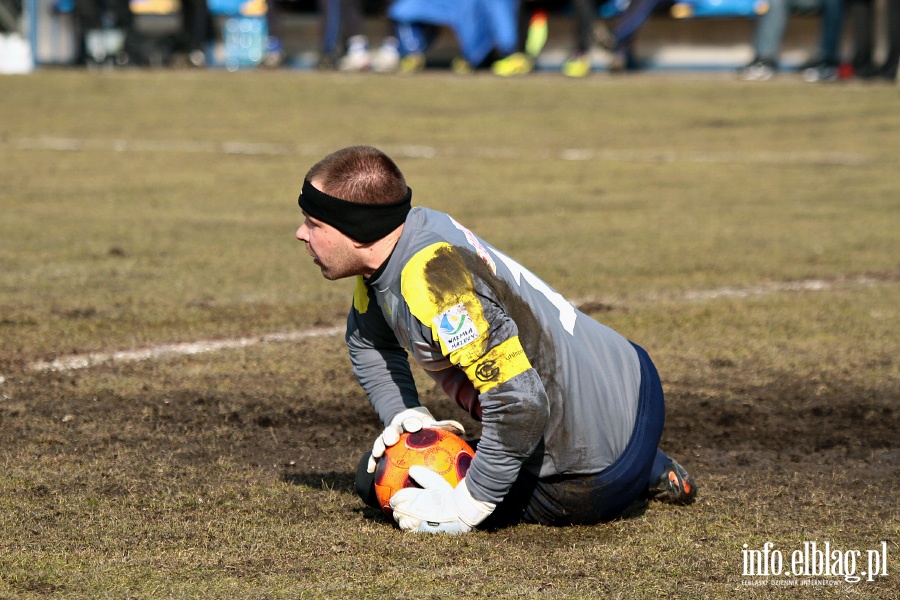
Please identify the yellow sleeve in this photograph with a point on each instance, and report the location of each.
(440, 292)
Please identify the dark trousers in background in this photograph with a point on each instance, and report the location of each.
(862, 22)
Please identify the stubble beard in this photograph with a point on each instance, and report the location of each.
(341, 266)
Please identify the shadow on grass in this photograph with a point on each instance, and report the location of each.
(635, 509)
(345, 483)
(341, 482)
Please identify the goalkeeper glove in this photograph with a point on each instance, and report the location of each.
(437, 507)
(410, 420)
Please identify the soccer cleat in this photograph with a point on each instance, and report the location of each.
(512, 65)
(758, 70)
(578, 65)
(675, 485)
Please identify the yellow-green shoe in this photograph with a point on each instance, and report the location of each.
(514, 64)
(578, 65)
(412, 63)
(461, 66)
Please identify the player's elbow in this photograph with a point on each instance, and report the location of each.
(519, 412)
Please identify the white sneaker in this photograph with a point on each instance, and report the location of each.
(758, 70)
(355, 61)
(357, 57)
(387, 58)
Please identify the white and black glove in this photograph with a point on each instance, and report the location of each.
(437, 507)
(410, 420)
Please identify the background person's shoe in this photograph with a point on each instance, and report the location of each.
(821, 71)
(387, 57)
(275, 54)
(514, 64)
(354, 62)
(578, 65)
(412, 63)
(461, 66)
(758, 70)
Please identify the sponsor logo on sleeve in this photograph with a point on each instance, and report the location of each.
(487, 371)
(455, 327)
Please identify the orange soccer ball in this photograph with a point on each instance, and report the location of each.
(443, 452)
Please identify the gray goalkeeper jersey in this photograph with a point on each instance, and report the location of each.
(556, 391)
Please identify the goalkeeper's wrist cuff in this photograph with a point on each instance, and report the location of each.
(470, 511)
(419, 412)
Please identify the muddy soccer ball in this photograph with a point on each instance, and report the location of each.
(443, 452)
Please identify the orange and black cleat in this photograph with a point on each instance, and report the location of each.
(675, 485)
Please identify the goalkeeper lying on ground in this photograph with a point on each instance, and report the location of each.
(572, 412)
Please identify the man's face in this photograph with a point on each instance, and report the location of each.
(333, 251)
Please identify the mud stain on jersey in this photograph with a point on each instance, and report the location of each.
(538, 345)
(456, 274)
(454, 271)
(447, 277)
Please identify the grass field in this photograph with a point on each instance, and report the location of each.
(745, 234)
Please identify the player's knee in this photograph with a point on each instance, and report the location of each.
(365, 482)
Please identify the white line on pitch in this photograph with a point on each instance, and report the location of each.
(774, 287)
(763, 289)
(83, 361)
(421, 151)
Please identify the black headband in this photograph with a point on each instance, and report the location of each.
(364, 223)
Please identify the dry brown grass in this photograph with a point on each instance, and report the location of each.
(230, 474)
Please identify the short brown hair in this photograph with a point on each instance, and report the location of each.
(360, 174)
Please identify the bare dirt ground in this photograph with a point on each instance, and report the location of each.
(301, 427)
(777, 457)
